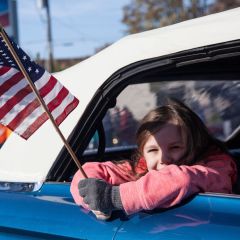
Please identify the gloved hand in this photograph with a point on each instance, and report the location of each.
(100, 195)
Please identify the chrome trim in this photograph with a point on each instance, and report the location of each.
(225, 195)
(20, 186)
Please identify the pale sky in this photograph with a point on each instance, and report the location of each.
(78, 26)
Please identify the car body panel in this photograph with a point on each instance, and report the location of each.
(201, 218)
(85, 78)
(50, 214)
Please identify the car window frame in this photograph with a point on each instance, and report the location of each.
(186, 65)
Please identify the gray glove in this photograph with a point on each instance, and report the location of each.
(100, 195)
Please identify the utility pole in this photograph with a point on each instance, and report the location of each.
(50, 65)
(205, 7)
(14, 19)
(49, 39)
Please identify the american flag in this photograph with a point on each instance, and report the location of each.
(20, 110)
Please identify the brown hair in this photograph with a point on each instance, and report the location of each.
(198, 138)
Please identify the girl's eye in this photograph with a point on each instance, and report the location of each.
(152, 150)
(175, 147)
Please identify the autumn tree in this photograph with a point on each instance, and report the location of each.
(221, 5)
(141, 15)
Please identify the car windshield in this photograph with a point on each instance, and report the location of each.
(216, 102)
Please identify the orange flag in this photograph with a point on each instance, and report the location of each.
(4, 133)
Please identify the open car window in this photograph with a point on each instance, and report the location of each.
(216, 102)
(208, 85)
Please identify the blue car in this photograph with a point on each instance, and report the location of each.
(196, 61)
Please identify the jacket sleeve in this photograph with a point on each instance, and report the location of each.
(172, 184)
(112, 173)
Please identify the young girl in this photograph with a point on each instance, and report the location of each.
(176, 158)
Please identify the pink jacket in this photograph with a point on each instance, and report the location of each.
(163, 188)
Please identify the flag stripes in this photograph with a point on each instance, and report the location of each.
(20, 110)
(19, 105)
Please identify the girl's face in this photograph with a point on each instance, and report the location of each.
(167, 146)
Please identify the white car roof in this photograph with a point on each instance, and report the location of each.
(31, 160)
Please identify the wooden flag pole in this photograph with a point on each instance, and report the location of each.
(26, 75)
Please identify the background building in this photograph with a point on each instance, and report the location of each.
(8, 18)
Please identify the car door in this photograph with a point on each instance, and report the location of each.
(205, 216)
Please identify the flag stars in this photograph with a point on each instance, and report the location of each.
(24, 57)
(36, 71)
(29, 69)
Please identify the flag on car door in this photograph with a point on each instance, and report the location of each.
(20, 110)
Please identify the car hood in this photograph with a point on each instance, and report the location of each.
(31, 160)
